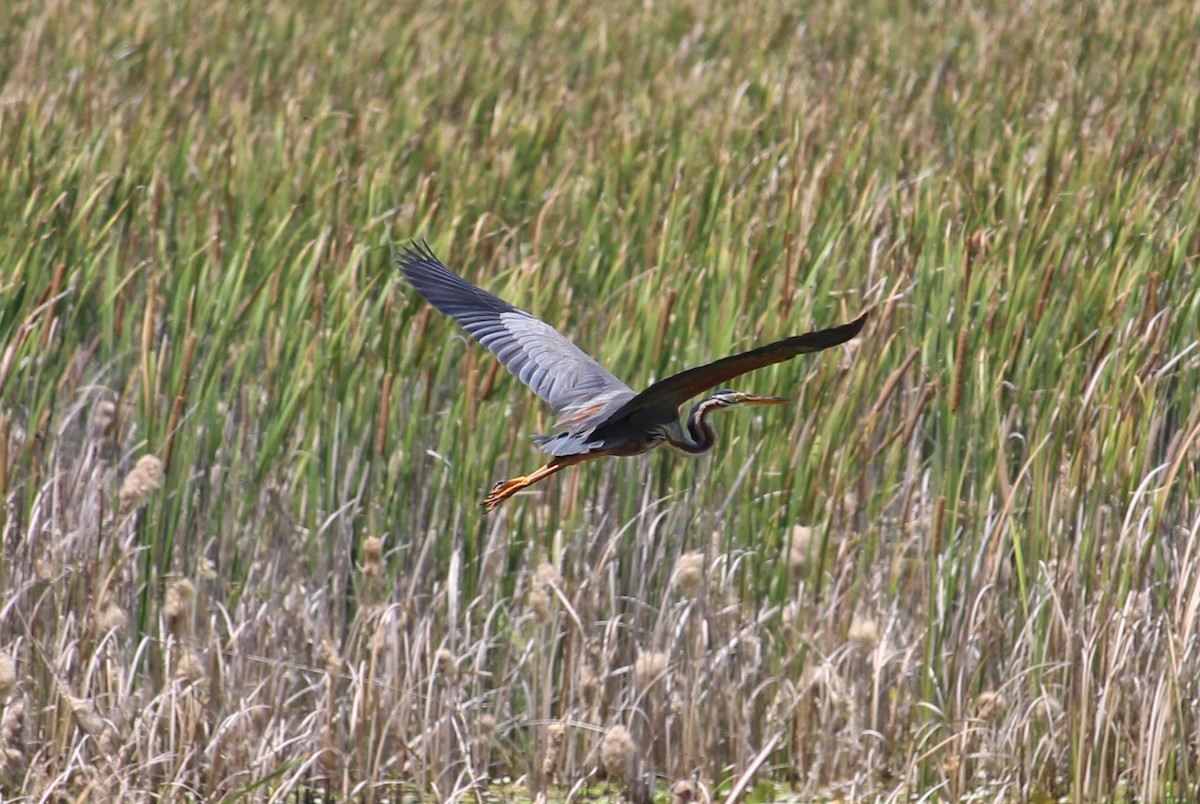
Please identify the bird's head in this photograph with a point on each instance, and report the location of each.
(726, 398)
(701, 435)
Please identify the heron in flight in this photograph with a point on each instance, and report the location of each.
(598, 414)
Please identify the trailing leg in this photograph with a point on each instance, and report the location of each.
(507, 488)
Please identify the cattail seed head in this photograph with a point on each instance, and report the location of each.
(539, 604)
(85, 716)
(864, 632)
(824, 680)
(689, 574)
(12, 757)
(177, 604)
(12, 763)
(12, 723)
(790, 614)
(8, 675)
(111, 618)
(189, 668)
(675, 703)
(649, 667)
(446, 662)
(104, 416)
(617, 752)
(372, 549)
(147, 476)
(483, 735)
(1047, 710)
(798, 551)
(682, 792)
(333, 659)
(547, 574)
(589, 684)
(989, 705)
(378, 638)
(206, 569)
(555, 732)
(372, 555)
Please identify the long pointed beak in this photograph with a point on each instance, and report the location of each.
(754, 399)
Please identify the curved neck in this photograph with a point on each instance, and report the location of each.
(699, 436)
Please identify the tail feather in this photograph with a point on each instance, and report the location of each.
(562, 444)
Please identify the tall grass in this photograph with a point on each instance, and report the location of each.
(965, 563)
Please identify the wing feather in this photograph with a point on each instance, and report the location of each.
(534, 352)
(670, 393)
(583, 394)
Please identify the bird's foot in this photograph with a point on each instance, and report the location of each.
(503, 490)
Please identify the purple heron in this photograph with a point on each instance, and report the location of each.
(598, 414)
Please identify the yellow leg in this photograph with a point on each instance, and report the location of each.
(507, 488)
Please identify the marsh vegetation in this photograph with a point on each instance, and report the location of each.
(240, 461)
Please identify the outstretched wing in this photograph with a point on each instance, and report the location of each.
(558, 371)
(679, 388)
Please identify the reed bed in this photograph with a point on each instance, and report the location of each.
(241, 461)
